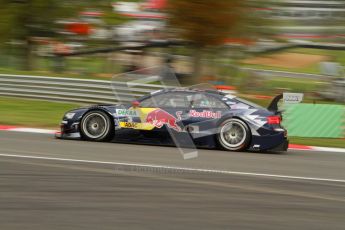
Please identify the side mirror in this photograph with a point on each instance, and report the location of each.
(135, 104)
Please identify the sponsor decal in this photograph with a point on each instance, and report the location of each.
(292, 98)
(179, 115)
(159, 117)
(127, 113)
(205, 114)
(131, 125)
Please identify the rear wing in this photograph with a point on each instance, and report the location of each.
(288, 98)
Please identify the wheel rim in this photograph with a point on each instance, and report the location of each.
(233, 134)
(95, 125)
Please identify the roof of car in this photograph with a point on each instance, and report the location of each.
(200, 88)
(194, 90)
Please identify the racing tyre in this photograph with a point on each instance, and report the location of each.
(234, 135)
(96, 126)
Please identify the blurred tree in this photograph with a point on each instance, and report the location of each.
(105, 7)
(205, 23)
(22, 20)
(109, 17)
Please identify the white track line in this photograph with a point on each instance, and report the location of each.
(33, 130)
(176, 168)
(328, 149)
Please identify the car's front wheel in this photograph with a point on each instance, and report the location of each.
(96, 126)
(234, 135)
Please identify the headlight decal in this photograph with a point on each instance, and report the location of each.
(69, 115)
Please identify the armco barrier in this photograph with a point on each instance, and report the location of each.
(315, 120)
(71, 89)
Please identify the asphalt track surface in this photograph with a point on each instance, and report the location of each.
(58, 184)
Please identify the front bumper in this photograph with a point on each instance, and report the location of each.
(60, 135)
(68, 131)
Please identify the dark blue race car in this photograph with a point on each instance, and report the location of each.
(208, 118)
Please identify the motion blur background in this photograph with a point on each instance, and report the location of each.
(255, 48)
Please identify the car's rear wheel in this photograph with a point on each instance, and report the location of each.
(96, 126)
(234, 135)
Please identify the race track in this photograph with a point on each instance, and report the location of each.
(59, 184)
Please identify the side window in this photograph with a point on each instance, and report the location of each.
(152, 101)
(166, 100)
(202, 101)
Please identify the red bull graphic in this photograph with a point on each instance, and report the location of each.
(205, 114)
(159, 117)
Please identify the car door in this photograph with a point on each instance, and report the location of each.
(159, 111)
(204, 113)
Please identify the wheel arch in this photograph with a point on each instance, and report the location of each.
(229, 116)
(99, 108)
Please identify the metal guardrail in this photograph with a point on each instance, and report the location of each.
(72, 90)
(98, 91)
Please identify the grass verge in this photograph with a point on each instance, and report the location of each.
(323, 142)
(32, 113)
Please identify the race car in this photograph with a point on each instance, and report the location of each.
(207, 117)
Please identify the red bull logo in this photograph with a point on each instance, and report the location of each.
(205, 114)
(159, 117)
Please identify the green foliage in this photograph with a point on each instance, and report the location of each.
(109, 17)
(208, 23)
(22, 19)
